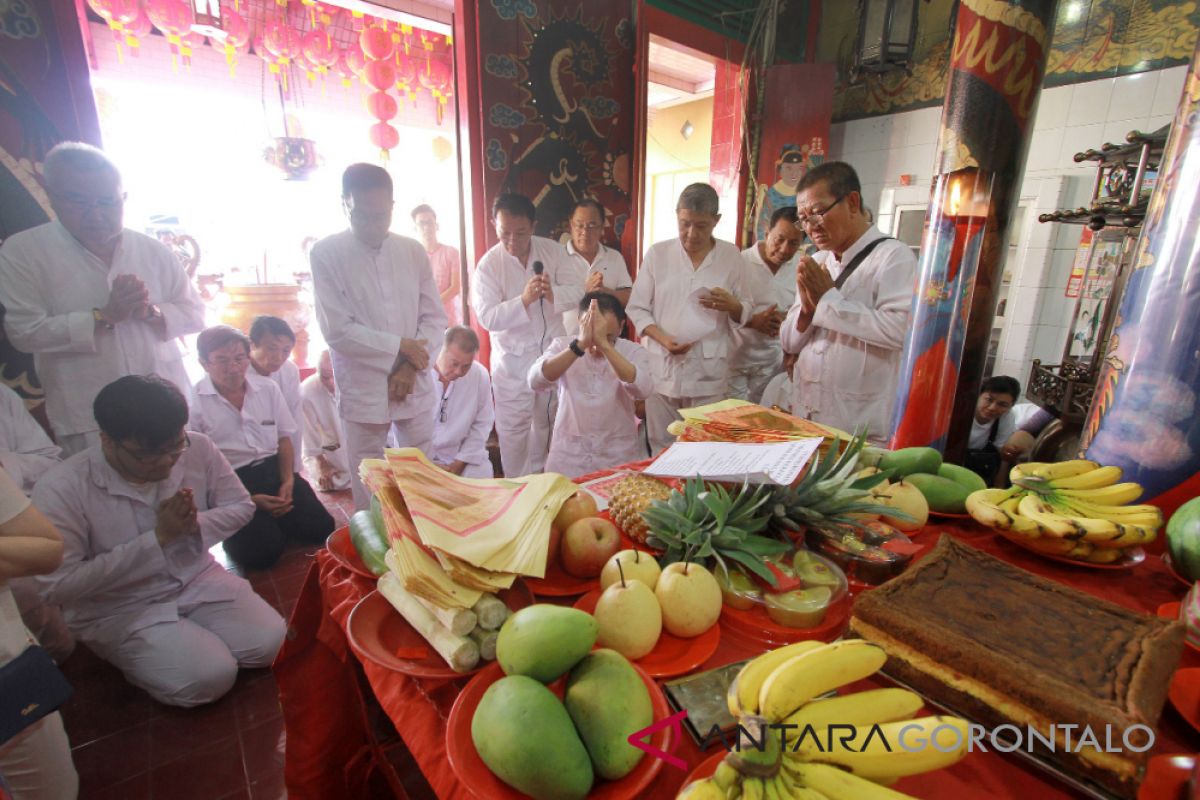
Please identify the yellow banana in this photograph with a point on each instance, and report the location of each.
(838, 784)
(798, 680)
(859, 708)
(984, 506)
(1118, 494)
(753, 789)
(1051, 522)
(706, 789)
(1052, 471)
(1129, 536)
(1053, 545)
(1103, 556)
(774, 789)
(1145, 515)
(1026, 527)
(725, 775)
(894, 749)
(742, 697)
(1094, 479)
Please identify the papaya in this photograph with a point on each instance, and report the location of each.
(1183, 539)
(543, 641)
(962, 475)
(907, 460)
(525, 737)
(607, 700)
(370, 541)
(944, 495)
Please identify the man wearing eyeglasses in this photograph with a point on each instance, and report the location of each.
(248, 420)
(852, 308)
(604, 268)
(463, 416)
(523, 310)
(138, 514)
(89, 298)
(381, 314)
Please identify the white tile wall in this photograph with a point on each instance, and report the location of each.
(1069, 119)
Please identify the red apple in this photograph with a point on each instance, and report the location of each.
(575, 507)
(587, 545)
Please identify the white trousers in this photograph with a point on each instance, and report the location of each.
(661, 411)
(368, 440)
(36, 763)
(524, 418)
(195, 659)
(748, 383)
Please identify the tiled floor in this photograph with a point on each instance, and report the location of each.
(128, 747)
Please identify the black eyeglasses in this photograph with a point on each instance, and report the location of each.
(147, 457)
(805, 220)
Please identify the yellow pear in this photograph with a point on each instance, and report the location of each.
(905, 497)
(690, 598)
(629, 618)
(635, 564)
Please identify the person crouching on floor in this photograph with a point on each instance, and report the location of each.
(248, 419)
(599, 377)
(138, 513)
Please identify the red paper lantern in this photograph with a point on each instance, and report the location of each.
(319, 51)
(439, 80)
(326, 12)
(384, 136)
(354, 58)
(380, 75)
(119, 14)
(237, 37)
(174, 19)
(135, 30)
(406, 74)
(382, 106)
(280, 45)
(376, 42)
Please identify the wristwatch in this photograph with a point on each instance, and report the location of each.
(576, 349)
(99, 318)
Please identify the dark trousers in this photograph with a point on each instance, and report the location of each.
(259, 544)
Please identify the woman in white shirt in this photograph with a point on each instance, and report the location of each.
(599, 377)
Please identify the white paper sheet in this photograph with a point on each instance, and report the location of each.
(698, 321)
(774, 462)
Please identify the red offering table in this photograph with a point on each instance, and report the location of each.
(324, 747)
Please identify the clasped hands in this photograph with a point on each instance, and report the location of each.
(127, 299)
(278, 504)
(812, 282)
(538, 288)
(176, 517)
(412, 359)
(593, 331)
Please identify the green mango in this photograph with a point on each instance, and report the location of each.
(870, 456)
(543, 641)
(608, 701)
(962, 475)
(942, 494)
(525, 737)
(1183, 539)
(908, 460)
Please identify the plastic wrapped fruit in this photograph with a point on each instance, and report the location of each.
(738, 590)
(870, 557)
(802, 608)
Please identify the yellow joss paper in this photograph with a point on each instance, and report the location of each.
(420, 574)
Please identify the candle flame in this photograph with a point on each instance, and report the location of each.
(955, 196)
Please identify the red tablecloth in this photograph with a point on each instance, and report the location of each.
(419, 708)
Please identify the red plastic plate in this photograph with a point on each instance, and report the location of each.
(671, 656)
(342, 549)
(1133, 556)
(1184, 694)
(755, 625)
(475, 776)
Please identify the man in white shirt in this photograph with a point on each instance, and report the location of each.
(89, 298)
(138, 513)
(604, 268)
(771, 276)
(463, 416)
(271, 343)
(324, 452)
(522, 306)
(26, 452)
(852, 308)
(685, 305)
(779, 391)
(247, 419)
(443, 260)
(380, 312)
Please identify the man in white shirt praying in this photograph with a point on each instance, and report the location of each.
(463, 416)
(247, 419)
(522, 288)
(604, 268)
(686, 304)
(138, 513)
(771, 275)
(271, 343)
(380, 312)
(324, 451)
(852, 308)
(91, 299)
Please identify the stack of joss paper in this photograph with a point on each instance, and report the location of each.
(456, 538)
(740, 421)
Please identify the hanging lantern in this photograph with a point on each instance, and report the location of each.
(376, 42)
(236, 40)
(382, 106)
(280, 45)
(174, 19)
(118, 14)
(134, 32)
(442, 149)
(406, 75)
(350, 64)
(380, 75)
(320, 52)
(326, 12)
(406, 33)
(439, 80)
(385, 137)
(188, 43)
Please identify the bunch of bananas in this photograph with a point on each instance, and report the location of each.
(1076, 509)
(782, 687)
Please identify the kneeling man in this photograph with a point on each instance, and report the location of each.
(138, 513)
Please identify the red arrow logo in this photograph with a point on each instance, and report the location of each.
(673, 722)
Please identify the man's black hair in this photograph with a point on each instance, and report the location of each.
(147, 409)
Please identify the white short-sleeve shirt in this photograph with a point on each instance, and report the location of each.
(248, 435)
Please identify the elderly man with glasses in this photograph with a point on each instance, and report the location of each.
(381, 314)
(138, 514)
(523, 287)
(91, 299)
(463, 416)
(249, 421)
(603, 267)
(852, 308)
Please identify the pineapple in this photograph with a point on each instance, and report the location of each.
(630, 497)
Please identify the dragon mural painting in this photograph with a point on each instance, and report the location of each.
(1145, 417)
(558, 121)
